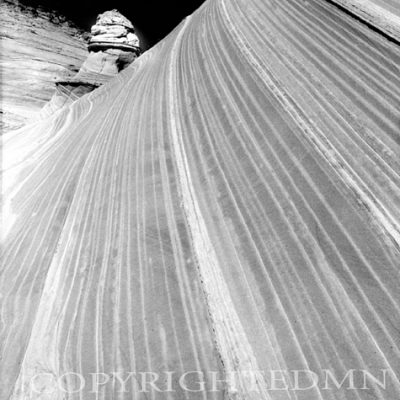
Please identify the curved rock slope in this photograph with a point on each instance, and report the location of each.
(37, 47)
(230, 202)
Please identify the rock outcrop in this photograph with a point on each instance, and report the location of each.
(112, 47)
(112, 29)
(37, 47)
(229, 208)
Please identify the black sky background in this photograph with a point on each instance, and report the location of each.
(153, 19)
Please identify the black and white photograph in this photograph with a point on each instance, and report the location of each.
(200, 200)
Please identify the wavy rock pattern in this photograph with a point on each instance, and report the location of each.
(37, 47)
(230, 202)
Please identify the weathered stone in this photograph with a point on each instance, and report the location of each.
(114, 29)
(113, 17)
(109, 30)
(112, 47)
(37, 47)
(224, 215)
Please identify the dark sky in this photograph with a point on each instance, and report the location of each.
(153, 19)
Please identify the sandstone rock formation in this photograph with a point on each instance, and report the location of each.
(229, 204)
(112, 29)
(112, 47)
(381, 14)
(37, 47)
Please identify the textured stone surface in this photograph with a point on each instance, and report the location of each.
(113, 17)
(37, 47)
(229, 203)
(382, 14)
(112, 27)
(389, 5)
(116, 48)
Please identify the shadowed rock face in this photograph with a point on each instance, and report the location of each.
(229, 203)
(112, 47)
(37, 47)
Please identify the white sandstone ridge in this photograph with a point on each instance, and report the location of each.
(37, 47)
(112, 47)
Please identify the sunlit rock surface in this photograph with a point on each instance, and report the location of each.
(113, 28)
(112, 47)
(37, 47)
(230, 202)
(392, 6)
(381, 14)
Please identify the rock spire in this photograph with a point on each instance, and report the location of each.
(112, 47)
(113, 30)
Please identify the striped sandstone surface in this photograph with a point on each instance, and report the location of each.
(383, 15)
(229, 202)
(37, 47)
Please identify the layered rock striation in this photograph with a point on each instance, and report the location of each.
(37, 47)
(112, 29)
(112, 47)
(229, 205)
(383, 15)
